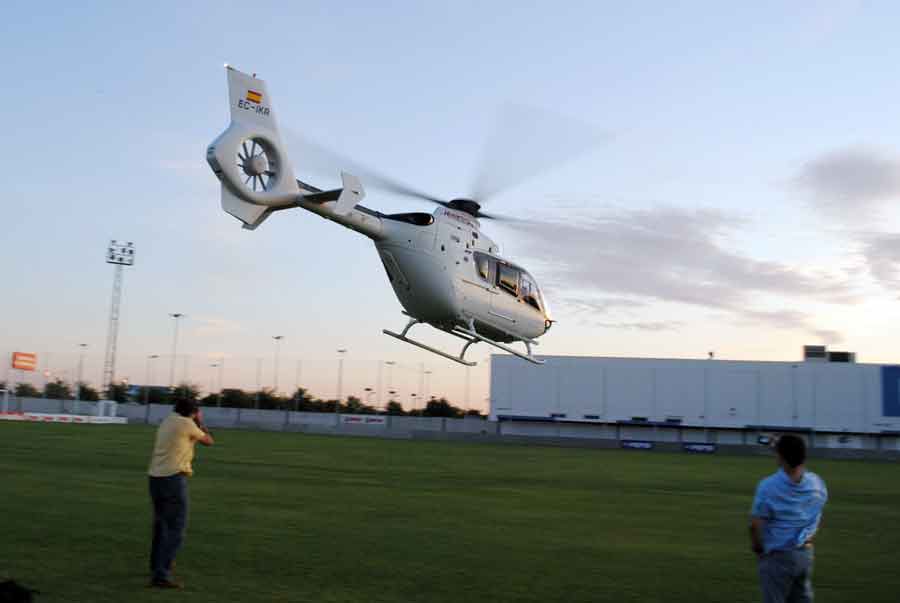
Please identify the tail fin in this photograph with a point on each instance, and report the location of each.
(249, 157)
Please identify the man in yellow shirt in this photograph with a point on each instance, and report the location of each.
(170, 466)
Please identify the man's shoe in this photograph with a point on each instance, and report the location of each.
(165, 584)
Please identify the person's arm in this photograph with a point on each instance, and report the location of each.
(812, 536)
(760, 512)
(757, 525)
(204, 436)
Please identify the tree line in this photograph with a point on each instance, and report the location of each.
(264, 399)
(54, 390)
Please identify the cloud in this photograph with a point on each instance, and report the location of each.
(850, 183)
(882, 254)
(860, 186)
(666, 254)
(641, 326)
(628, 258)
(588, 309)
(788, 320)
(599, 305)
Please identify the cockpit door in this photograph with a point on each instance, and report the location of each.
(505, 301)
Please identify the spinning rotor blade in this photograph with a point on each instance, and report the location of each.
(492, 216)
(527, 142)
(333, 162)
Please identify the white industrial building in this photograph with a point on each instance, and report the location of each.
(827, 393)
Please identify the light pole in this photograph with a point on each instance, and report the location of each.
(82, 347)
(150, 360)
(390, 377)
(369, 393)
(412, 401)
(427, 385)
(340, 381)
(277, 339)
(177, 316)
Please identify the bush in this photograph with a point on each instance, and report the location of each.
(27, 390)
(57, 390)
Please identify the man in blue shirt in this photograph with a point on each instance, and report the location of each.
(786, 513)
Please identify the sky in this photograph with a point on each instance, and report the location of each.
(737, 192)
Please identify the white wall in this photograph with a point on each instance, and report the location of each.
(703, 393)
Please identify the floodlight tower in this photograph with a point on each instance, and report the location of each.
(119, 254)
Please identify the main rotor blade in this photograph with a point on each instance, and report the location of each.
(526, 142)
(321, 158)
(508, 220)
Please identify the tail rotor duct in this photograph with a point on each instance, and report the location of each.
(257, 161)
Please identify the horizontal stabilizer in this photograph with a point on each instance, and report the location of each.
(346, 197)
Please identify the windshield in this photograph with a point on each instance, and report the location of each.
(531, 294)
(512, 280)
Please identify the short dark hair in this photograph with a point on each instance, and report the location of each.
(185, 407)
(792, 449)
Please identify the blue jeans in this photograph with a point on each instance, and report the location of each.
(786, 576)
(170, 509)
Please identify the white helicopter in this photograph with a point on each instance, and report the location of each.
(444, 270)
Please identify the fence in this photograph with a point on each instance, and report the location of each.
(273, 420)
(312, 422)
(558, 433)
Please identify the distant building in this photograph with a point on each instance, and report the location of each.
(826, 392)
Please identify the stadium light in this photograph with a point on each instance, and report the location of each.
(177, 316)
(120, 254)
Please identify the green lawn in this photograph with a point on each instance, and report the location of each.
(292, 517)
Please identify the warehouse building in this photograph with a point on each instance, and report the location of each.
(826, 394)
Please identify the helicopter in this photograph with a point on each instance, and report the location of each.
(445, 271)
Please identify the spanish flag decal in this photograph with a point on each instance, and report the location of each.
(254, 96)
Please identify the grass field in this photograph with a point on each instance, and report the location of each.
(290, 517)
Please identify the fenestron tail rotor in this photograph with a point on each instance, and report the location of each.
(257, 163)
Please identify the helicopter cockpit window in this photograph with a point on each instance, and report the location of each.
(483, 265)
(508, 278)
(529, 290)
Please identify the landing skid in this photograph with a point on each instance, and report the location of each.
(469, 335)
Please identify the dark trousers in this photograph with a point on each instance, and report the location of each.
(170, 508)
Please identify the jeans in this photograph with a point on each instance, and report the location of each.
(170, 509)
(786, 576)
